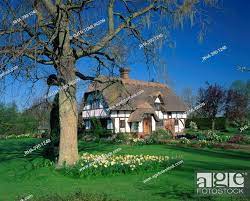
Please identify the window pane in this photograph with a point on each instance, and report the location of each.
(159, 123)
(122, 123)
(109, 124)
(135, 127)
(176, 122)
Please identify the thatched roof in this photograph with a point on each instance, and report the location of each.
(139, 113)
(116, 91)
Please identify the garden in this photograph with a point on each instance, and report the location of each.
(115, 169)
(116, 166)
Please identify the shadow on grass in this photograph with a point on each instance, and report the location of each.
(213, 152)
(95, 147)
(12, 149)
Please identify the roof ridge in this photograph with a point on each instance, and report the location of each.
(142, 82)
(134, 81)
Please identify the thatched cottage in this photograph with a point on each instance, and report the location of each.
(126, 105)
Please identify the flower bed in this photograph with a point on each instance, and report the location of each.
(29, 135)
(115, 164)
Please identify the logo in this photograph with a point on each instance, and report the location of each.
(218, 183)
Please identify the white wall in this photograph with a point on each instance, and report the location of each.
(180, 127)
(116, 125)
(178, 115)
(121, 115)
(157, 100)
(95, 113)
(165, 116)
(181, 124)
(159, 114)
(127, 125)
(86, 107)
(124, 115)
(153, 123)
(140, 127)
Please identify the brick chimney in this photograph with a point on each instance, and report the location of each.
(124, 73)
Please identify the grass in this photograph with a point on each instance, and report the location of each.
(20, 178)
(229, 131)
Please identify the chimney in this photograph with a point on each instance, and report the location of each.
(124, 73)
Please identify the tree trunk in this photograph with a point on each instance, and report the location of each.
(68, 148)
(68, 115)
(213, 124)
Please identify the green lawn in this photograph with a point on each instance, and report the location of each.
(18, 178)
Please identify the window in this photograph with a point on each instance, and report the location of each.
(157, 100)
(122, 123)
(135, 127)
(169, 114)
(109, 124)
(95, 104)
(87, 124)
(157, 106)
(159, 123)
(176, 123)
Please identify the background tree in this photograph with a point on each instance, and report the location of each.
(188, 97)
(238, 101)
(40, 111)
(46, 38)
(13, 121)
(242, 87)
(236, 106)
(213, 96)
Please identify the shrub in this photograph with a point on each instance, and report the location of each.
(160, 135)
(224, 138)
(89, 137)
(184, 140)
(123, 137)
(28, 135)
(106, 133)
(206, 123)
(189, 136)
(237, 139)
(137, 141)
(16, 122)
(97, 127)
(193, 125)
(106, 164)
(247, 140)
(201, 136)
(212, 136)
(203, 143)
(77, 196)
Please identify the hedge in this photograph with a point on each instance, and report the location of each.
(206, 123)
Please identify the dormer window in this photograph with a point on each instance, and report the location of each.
(158, 103)
(94, 101)
(157, 100)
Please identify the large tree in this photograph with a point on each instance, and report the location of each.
(238, 101)
(236, 106)
(45, 37)
(214, 98)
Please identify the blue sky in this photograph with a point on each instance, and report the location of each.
(229, 26)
